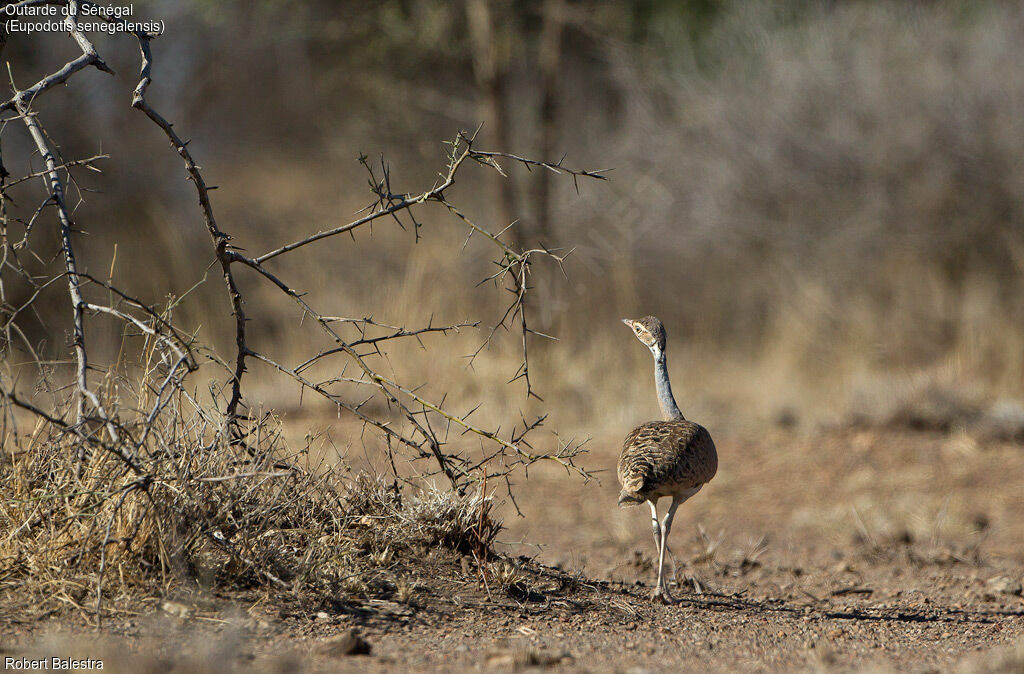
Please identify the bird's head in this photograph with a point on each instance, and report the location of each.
(650, 331)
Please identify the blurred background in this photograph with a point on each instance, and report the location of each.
(822, 200)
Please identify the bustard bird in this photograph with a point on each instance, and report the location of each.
(674, 457)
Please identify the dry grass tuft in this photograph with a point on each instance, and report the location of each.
(431, 517)
(84, 527)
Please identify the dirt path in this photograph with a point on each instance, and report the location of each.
(852, 551)
(576, 625)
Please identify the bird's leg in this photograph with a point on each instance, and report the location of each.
(674, 574)
(655, 525)
(660, 590)
(676, 502)
(666, 525)
(656, 528)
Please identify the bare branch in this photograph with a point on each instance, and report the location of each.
(220, 239)
(56, 189)
(136, 411)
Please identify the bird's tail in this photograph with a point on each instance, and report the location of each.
(628, 498)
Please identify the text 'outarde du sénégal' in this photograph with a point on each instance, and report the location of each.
(84, 9)
(87, 17)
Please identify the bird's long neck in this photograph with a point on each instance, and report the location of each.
(665, 398)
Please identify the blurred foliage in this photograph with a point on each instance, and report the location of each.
(830, 181)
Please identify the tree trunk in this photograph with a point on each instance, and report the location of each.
(490, 68)
(549, 59)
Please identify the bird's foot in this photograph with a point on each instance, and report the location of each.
(661, 594)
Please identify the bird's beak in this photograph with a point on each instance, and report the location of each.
(628, 321)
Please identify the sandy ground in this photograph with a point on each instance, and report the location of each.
(844, 551)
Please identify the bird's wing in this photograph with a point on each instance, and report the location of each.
(666, 454)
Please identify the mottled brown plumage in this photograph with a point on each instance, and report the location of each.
(660, 458)
(674, 457)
